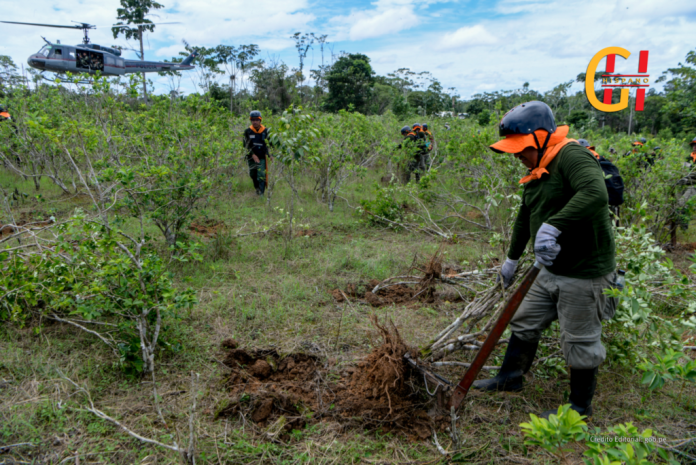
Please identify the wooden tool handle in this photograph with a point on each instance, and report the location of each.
(511, 307)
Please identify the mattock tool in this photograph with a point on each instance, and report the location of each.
(511, 307)
(442, 387)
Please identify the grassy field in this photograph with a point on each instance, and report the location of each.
(271, 290)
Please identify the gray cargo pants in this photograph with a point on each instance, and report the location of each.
(579, 305)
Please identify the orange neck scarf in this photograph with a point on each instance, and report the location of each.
(593, 153)
(5, 114)
(260, 129)
(549, 155)
(410, 134)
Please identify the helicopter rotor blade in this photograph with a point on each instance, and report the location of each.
(48, 25)
(131, 26)
(84, 25)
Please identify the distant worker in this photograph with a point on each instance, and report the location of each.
(637, 146)
(692, 156)
(447, 127)
(255, 137)
(4, 114)
(410, 144)
(429, 135)
(564, 212)
(685, 204)
(422, 143)
(589, 147)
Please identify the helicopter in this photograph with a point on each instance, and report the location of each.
(92, 58)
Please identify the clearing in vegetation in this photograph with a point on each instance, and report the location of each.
(156, 310)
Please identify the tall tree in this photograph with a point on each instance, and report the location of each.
(350, 82)
(8, 74)
(134, 12)
(303, 42)
(236, 61)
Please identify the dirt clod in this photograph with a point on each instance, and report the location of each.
(263, 410)
(261, 369)
(230, 344)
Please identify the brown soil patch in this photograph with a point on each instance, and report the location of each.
(10, 229)
(474, 214)
(307, 232)
(206, 228)
(432, 271)
(398, 294)
(285, 392)
(689, 246)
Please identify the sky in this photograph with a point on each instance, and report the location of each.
(472, 46)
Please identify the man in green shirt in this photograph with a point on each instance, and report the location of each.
(564, 208)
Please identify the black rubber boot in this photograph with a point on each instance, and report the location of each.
(518, 360)
(582, 388)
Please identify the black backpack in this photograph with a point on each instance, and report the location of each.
(615, 184)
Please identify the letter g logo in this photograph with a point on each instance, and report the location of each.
(590, 78)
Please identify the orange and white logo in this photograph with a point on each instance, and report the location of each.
(622, 81)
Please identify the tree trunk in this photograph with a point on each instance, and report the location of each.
(231, 91)
(142, 58)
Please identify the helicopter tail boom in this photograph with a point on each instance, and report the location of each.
(189, 59)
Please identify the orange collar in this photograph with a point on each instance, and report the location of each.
(593, 153)
(410, 134)
(548, 157)
(5, 114)
(260, 129)
(693, 156)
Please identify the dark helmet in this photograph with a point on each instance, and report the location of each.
(405, 129)
(255, 114)
(693, 142)
(425, 126)
(527, 118)
(643, 140)
(583, 142)
(524, 120)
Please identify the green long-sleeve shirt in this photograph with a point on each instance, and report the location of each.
(572, 198)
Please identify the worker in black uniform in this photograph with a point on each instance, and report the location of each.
(255, 142)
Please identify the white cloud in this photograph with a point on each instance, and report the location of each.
(469, 45)
(551, 45)
(388, 17)
(368, 26)
(466, 37)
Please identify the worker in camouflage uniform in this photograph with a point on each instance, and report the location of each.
(564, 211)
(413, 153)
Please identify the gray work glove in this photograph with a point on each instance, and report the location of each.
(507, 271)
(546, 248)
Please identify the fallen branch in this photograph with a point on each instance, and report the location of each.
(111, 344)
(186, 454)
(462, 364)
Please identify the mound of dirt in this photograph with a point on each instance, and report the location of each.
(397, 294)
(22, 225)
(207, 227)
(286, 391)
(307, 233)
